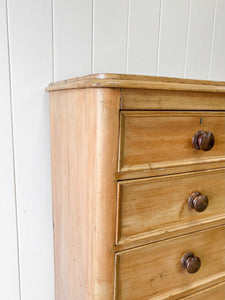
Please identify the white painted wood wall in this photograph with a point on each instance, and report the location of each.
(49, 40)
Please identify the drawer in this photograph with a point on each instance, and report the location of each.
(143, 99)
(154, 140)
(216, 292)
(154, 271)
(159, 206)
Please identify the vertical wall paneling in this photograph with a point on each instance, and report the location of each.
(30, 41)
(199, 39)
(217, 66)
(174, 24)
(46, 40)
(110, 36)
(143, 36)
(72, 23)
(9, 279)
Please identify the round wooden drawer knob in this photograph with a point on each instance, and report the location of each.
(190, 262)
(203, 140)
(198, 201)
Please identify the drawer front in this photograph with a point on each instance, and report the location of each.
(154, 271)
(156, 206)
(138, 99)
(216, 292)
(154, 140)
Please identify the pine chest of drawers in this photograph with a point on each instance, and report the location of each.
(138, 174)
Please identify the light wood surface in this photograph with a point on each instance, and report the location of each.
(148, 206)
(185, 166)
(115, 76)
(151, 140)
(83, 122)
(154, 271)
(216, 292)
(137, 99)
(123, 239)
(171, 232)
(138, 82)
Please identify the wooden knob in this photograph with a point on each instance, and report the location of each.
(198, 201)
(203, 140)
(190, 262)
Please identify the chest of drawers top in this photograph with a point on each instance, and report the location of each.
(150, 92)
(159, 111)
(134, 161)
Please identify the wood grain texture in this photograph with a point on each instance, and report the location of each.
(137, 99)
(215, 292)
(32, 145)
(172, 232)
(155, 272)
(87, 144)
(183, 167)
(138, 82)
(116, 76)
(150, 206)
(82, 123)
(152, 140)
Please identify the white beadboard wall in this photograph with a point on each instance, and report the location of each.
(50, 40)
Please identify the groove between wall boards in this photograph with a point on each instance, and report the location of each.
(159, 38)
(92, 37)
(53, 15)
(212, 39)
(53, 41)
(13, 149)
(128, 36)
(187, 39)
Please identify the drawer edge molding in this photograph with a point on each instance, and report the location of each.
(169, 171)
(172, 232)
(180, 293)
(163, 269)
(183, 293)
(210, 290)
(135, 84)
(141, 99)
(157, 206)
(172, 164)
(140, 130)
